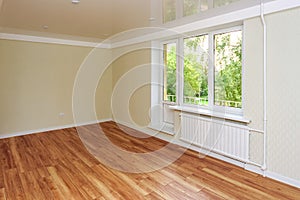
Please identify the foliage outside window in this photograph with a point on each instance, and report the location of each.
(169, 10)
(219, 3)
(196, 70)
(228, 69)
(170, 65)
(189, 7)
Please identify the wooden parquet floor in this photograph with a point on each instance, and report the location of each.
(56, 165)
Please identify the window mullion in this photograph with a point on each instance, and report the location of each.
(211, 71)
(210, 4)
(180, 71)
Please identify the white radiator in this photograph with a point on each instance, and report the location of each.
(219, 136)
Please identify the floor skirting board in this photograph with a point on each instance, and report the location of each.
(273, 175)
(21, 133)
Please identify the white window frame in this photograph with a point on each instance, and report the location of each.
(211, 76)
(231, 110)
(209, 69)
(166, 104)
(177, 72)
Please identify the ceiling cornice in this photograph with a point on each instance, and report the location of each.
(49, 40)
(235, 16)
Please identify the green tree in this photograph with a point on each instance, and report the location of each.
(169, 10)
(195, 67)
(191, 7)
(228, 68)
(171, 70)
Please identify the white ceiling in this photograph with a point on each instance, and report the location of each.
(90, 18)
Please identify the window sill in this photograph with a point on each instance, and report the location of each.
(210, 113)
(169, 103)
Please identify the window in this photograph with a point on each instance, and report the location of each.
(169, 81)
(191, 7)
(176, 9)
(196, 70)
(170, 72)
(169, 10)
(210, 73)
(228, 69)
(219, 3)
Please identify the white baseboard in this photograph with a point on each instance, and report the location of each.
(254, 169)
(273, 175)
(29, 132)
(283, 179)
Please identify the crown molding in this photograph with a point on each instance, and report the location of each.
(49, 40)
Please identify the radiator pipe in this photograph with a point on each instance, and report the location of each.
(264, 165)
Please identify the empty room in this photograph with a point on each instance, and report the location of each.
(149, 99)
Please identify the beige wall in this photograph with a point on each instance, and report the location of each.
(103, 95)
(92, 87)
(131, 84)
(36, 84)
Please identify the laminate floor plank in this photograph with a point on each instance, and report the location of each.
(13, 185)
(2, 194)
(59, 165)
(31, 186)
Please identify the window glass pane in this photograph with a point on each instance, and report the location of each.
(170, 72)
(191, 7)
(228, 69)
(169, 10)
(196, 70)
(204, 5)
(218, 3)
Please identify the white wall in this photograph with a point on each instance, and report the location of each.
(284, 93)
(283, 46)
